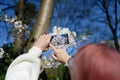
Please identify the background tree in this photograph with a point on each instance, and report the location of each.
(112, 21)
(19, 42)
(25, 13)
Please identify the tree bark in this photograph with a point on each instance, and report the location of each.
(43, 21)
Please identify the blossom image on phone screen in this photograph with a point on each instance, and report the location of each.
(58, 40)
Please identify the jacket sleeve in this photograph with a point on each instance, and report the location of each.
(26, 66)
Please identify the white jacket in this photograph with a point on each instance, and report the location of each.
(26, 66)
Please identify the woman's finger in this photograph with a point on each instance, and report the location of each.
(51, 46)
(54, 57)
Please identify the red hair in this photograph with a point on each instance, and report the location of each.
(96, 62)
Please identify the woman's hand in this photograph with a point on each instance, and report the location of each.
(43, 42)
(60, 54)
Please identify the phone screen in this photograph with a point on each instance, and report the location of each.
(61, 39)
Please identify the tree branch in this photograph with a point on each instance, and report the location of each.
(107, 15)
(98, 4)
(116, 16)
(8, 8)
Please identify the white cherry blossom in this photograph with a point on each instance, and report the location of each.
(1, 53)
(18, 24)
(84, 37)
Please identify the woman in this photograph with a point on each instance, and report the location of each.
(92, 62)
(27, 66)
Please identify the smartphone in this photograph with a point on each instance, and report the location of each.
(60, 40)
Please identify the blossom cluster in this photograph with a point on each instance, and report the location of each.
(84, 37)
(6, 19)
(1, 53)
(4, 54)
(60, 31)
(19, 26)
(48, 62)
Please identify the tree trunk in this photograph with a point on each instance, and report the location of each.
(42, 24)
(116, 43)
(19, 42)
(43, 21)
(116, 27)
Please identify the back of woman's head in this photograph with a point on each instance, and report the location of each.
(96, 62)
